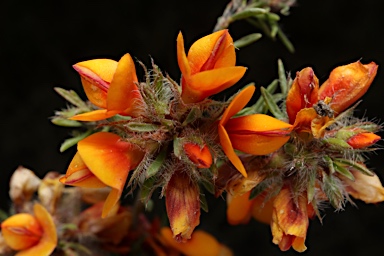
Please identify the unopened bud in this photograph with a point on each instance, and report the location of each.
(362, 140)
(201, 156)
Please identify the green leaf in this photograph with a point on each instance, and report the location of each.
(247, 40)
(203, 202)
(343, 171)
(311, 188)
(71, 96)
(61, 121)
(155, 166)
(142, 127)
(284, 39)
(332, 187)
(282, 77)
(178, 147)
(249, 12)
(146, 190)
(270, 102)
(73, 141)
(357, 166)
(193, 115)
(261, 187)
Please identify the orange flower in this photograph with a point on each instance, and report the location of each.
(110, 86)
(209, 67)
(256, 134)
(30, 235)
(201, 156)
(103, 159)
(363, 139)
(201, 243)
(182, 199)
(311, 109)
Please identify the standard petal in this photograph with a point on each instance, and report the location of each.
(95, 76)
(207, 83)
(123, 93)
(95, 115)
(346, 84)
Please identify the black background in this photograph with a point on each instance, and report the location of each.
(41, 40)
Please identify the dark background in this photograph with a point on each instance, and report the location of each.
(40, 40)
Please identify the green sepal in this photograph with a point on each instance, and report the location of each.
(260, 188)
(332, 187)
(343, 171)
(337, 142)
(311, 188)
(192, 116)
(74, 140)
(247, 40)
(71, 96)
(178, 147)
(155, 166)
(146, 190)
(329, 162)
(61, 121)
(203, 202)
(142, 127)
(272, 106)
(356, 166)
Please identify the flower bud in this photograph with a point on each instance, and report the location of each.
(183, 205)
(201, 156)
(362, 140)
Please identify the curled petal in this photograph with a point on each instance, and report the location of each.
(123, 93)
(366, 188)
(257, 134)
(346, 84)
(303, 93)
(96, 76)
(183, 205)
(362, 140)
(110, 159)
(201, 156)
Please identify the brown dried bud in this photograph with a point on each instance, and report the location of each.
(23, 185)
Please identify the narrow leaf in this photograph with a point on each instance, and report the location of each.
(270, 102)
(71, 96)
(282, 77)
(155, 166)
(250, 12)
(73, 141)
(357, 166)
(142, 127)
(60, 121)
(247, 40)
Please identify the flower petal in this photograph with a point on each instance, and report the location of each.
(239, 208)
(183, 205)
(201, 156)
(207, 83)
(79, 175)
(182, 57)
(257, 134)
(346, 84)
(303, 93)
(110, 159)
(201, 243)
(95, 115)
(362, 140)
(123, 94)
(262, 209)
(95, 76)
(366, 188)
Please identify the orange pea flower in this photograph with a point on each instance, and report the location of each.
(209, 67)
(103, 159)
(201, 243)
(311, 109)
(111, 86)
(256, 134)
(363, 139)
(30, 235)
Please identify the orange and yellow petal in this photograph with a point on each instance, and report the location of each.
(303, 93)
(346, 84)
(239, 208)
(201, 243)
(78, 174)
(362, 140)
(204, 84)
(289, 220)
(201, 156)
(95, 115)
(238, 103)
(110, 159)
(257, 134)
(96, 76)
(182, 200)
(211, 52)
(123, 94)
(182, 59)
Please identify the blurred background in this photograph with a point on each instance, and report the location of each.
(41, 40)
